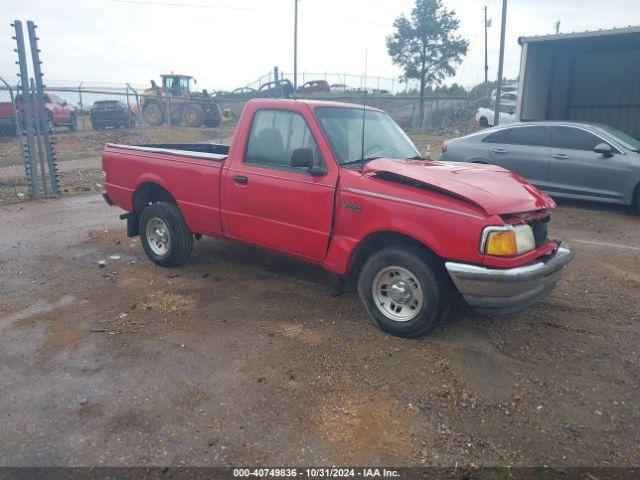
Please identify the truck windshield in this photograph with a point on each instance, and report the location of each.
(382, 136)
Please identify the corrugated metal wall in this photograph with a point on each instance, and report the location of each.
(606, 89)
(593, 79)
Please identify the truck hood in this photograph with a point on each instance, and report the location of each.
(493, 189)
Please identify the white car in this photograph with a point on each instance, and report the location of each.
(509, 93)
(484, 115)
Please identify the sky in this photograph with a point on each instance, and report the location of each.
(231, 43)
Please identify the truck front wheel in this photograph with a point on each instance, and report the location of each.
(404, 291)
(164, 234)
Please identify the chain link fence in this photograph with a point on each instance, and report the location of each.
(12, 171)
(84, 118)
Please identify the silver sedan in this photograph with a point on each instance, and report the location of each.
(565, 159)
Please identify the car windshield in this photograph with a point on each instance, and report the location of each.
(625, 139)
(382, 136)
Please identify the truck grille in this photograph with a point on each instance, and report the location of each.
(539, 228)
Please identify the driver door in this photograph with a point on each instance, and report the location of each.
(268, 202)
(575, 169)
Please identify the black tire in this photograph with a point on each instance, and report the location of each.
(192, 115)
(153, 114)
(484, 122)
(180, 239)
(636, 200)
(73, 126)
(214, 117)
(429, 275)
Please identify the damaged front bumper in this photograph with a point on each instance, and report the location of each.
(492, 290)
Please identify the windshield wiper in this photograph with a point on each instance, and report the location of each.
(416, 157)
(359, 160)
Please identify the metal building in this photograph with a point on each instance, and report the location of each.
(587, 76)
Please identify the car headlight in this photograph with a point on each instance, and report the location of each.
(507, 240)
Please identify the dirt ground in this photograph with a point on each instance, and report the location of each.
(242, 357)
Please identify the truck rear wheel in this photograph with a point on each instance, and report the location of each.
(164, 234)
(192, 115)
(404, 291)
(153, 114)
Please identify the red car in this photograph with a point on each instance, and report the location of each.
(315, 86)
(299, 179)
(59, 113)
(7, 119)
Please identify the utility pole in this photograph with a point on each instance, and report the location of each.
(496, 115)
(487, 24)
(295, 49)
(557, 26)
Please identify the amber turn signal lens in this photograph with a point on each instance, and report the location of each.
(502, 244)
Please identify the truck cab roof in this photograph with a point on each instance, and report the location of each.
(271, 102)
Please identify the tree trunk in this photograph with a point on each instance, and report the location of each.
(421, 118)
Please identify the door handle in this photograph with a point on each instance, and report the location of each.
(241, 179)
(498, 150)
(560, 155)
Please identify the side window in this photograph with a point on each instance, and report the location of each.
(275, 135)
(573, 139)
(532, 136)
(497, 137)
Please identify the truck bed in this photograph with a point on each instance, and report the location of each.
(190, 172)
(209, 151)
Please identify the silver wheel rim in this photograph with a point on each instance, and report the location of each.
(158, 236)
(397, 293)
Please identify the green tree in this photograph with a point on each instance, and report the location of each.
(426, 45)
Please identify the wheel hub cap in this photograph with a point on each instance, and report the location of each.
(397, 293)
(158, 236)
(400, 292)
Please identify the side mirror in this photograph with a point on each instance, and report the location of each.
(303, 158)
(604, 149)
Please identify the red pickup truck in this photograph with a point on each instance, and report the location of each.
(308, 179)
